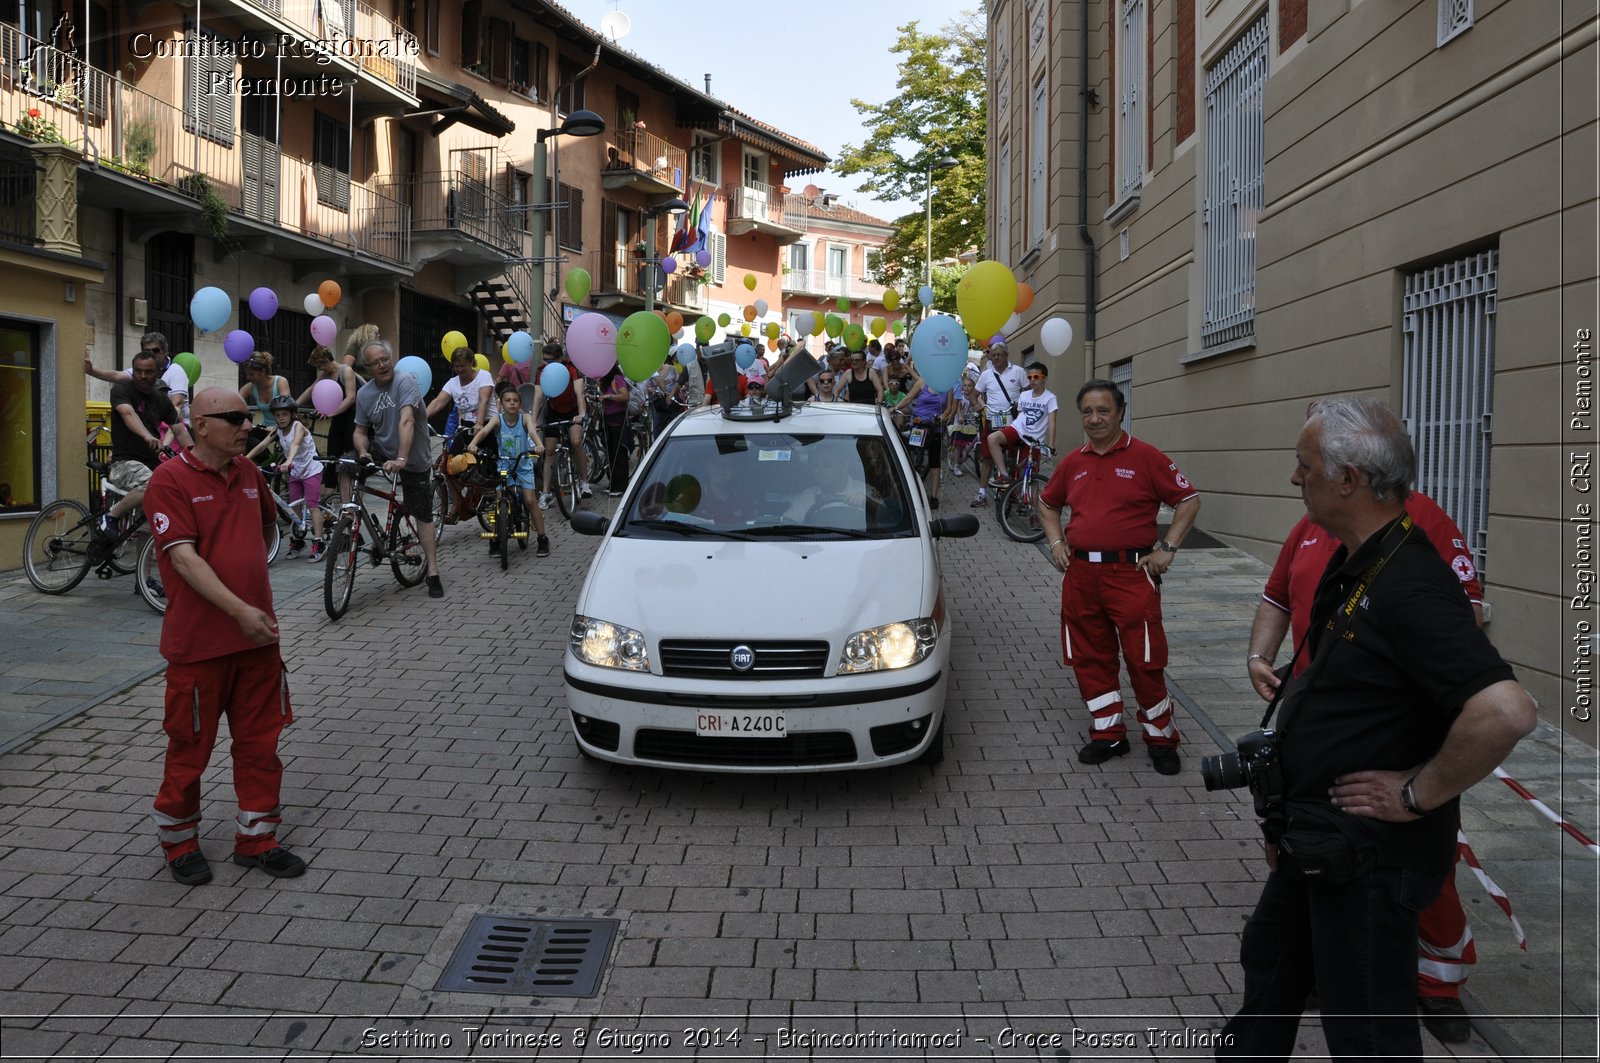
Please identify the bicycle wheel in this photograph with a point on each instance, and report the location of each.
(274, 540)
(566, 483)
(520, 522)
(1018, 516)
(594, 448)
(124, 556)
(441, 506)
(56, 548)
(502, 531)
(339, 576)
(148, 572)
(406, 556)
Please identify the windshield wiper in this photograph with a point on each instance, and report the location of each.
(685, 528)
(797, 530)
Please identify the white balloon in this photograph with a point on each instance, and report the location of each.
(1010, 327)
(1056, 335)
(761, 307)
(314, 305)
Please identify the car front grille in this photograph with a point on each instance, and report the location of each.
(685, 747)
(713, 659)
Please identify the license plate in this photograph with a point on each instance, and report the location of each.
(916, 437)
(764, 724)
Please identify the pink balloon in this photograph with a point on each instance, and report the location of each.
(327, 396)
(592, 345)
(323, 330)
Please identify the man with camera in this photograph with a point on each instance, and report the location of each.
(1403, 706)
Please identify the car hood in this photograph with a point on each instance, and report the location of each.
(757, 590)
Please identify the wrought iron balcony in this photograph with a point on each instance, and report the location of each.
(641, 160)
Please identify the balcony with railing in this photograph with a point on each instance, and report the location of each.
(640, 160)
(357, 36)
(622, 279)
(823, 284)
(456, 218)
(19, 223)
(757, 207)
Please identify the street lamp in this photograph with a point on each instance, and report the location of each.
(577, 124)
(674, 208)
(945, 163)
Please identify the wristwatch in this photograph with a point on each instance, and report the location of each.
(1162, 544)
(1408, 796)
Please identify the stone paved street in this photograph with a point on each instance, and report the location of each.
(431, 776)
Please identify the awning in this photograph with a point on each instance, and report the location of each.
(449, 102)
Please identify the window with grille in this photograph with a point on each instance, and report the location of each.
(1130, 99)
(331, 162)
(1455, 18)
(207, 103)
(1447, 396)
(1235, 131)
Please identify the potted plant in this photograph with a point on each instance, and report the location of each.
(35, 126)
(212, 207)
(139, 144)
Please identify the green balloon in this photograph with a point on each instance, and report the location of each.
(642, 345)
(843, 304)
(834, 325)
(191, 366)
(855, 337)
(723, 319)
(578, 284)
(704, 328)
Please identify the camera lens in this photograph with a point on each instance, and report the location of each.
(1225, 771)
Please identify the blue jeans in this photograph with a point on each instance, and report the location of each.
(1356, 943)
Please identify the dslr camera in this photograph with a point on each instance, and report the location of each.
(1255, 762)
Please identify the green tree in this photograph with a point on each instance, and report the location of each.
(940, 111)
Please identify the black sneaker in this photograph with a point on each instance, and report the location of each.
(544, 547)
(279, 862)
(1165, 759)
(1446, 1019)
(1101, 750)
(191, 869)
(435, 587)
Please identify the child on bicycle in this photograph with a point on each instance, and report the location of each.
(516, 434)
(299, 449)
(1035, 423)
(964, 429)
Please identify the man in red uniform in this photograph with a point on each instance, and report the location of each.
(1445, 952)
(1110, 594)
(208, 510)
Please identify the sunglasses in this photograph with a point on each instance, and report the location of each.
(1032, 378)
(157, 351)
(233, 417)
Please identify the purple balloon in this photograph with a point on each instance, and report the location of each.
(669, 265)
(702, 258)
(239, 345)
(324, 330)
(998, 337)
(264, 303)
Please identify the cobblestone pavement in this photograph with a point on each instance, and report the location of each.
(923, 912)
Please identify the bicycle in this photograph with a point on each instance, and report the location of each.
(1016, 506)
(509, 516)
(918, 433)
(357, 530)
(294, 518)
(568, 483)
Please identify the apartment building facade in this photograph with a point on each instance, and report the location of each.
(837, 258)
(1244, 205)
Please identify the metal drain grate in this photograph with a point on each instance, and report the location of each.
(535, 957)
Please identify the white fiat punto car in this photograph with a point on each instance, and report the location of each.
(767, 598)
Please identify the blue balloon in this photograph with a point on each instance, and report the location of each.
(744, 356)
(554, 378)
(209, 309)
(686, 354)
(418, 370)
(939, 350)
(520, 347)
(925, 295)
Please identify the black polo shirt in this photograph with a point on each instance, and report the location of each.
(1387, 693)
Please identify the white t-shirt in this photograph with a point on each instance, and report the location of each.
(1033, 414)
(465, 396)
(999, 392)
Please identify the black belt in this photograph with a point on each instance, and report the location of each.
(1109, 557)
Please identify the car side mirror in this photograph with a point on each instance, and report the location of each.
(586, 523)
(956, 526)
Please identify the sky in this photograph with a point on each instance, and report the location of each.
(777, 64)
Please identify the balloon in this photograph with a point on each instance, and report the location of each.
(891, 300)
(744, 356)
(592, 345)
(772, 330)
(554, 377)
(772, 345)
(327, 396)
(818, 324)
(985, 297)
(481, 362)
(519, 348)
(925, 295)
(896, 325)
(264, 303)
(702, 258)
(761, 307)
(578, 284)
(750, 281)
(704, 329)
(834, 324)
(239, 345)
(324, 330)
(855, 337)
(878, 325)
(451, 340)
(669, 265)
(1024, 296)
(313, 304)
(804, 321)
(939, 350)
(1056, 336)
(329, 293)
(687, 354)
(723, 319)
(744, 329)
(749, 313)
(843, 304)
(674, 322)
(418, 370)
(642, 345)
(209, 309)
(191, 366)
(505, 354)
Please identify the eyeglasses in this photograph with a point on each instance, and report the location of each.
(1033, 377)
(825, 379)
(233, 417)
(157, 351)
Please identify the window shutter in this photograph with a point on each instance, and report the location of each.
(719, 258)
(570, 227)
(471, 32)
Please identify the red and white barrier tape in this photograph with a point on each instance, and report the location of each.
(1548, 813)
(1496, 894)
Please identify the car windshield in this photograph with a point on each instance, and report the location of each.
(771, 484)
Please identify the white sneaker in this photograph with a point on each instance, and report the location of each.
(982, 498)
(585, 490)
(955, 470)
(546, 500)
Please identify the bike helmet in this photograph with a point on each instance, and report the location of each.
(282, 402)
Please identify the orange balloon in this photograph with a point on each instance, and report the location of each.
(674, 322)
(749, 313)
(1024, 296)
(329, 293)
(662, 314)
(772, 345)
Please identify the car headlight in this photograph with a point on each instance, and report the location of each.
(898, 645)
(608, 645)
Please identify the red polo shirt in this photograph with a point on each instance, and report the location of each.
(1116, 496)
(1308, 549)
(222, 514)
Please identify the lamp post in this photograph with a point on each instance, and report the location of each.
(945, 163)
(672, 207)
(576, 124)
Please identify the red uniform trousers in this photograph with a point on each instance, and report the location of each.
(252, 690)
(1445, 952)
(1104, 605)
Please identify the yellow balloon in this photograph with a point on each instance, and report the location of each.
(505, 354)
(772, 330)
(481, 362)
(985, 297)
(878, 326)
(819, 324)
(744, 329)
(750, 281)
(451, 341)
(891, 299)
